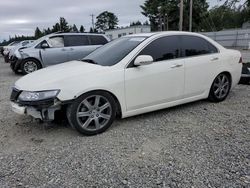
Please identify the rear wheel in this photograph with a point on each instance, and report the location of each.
(92, 113)
(29, 66)
(220, 88)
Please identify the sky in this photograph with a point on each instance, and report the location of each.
(21, 17)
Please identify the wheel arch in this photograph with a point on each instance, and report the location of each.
(217, 74)
(117, 101)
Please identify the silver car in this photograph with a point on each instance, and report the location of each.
(54, 49)
(16, 47)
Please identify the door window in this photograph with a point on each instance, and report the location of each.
(193, 46)
(97, 40)
(25, 43)
(56, 42)
(164, 48)
(76, 40)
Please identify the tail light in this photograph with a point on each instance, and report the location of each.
(240, 61)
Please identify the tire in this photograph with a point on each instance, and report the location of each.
(12, 66)
(30, 65)
(244, 81)
(92, 113)
(220, 88)
(6, 58)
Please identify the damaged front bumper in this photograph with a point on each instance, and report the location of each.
(45, 113)
(43, 110)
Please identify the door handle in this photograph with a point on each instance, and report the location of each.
(63, 49)
(214, 59)
(71, 49)
(176, 66)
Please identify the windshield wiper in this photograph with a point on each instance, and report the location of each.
(90, 61)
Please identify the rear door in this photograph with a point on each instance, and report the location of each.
(201, 62)
(97, 40)
(78, 46)
(56, 53)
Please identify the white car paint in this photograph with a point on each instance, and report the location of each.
(141, 89)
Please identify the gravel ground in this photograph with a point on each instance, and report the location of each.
(195, 145)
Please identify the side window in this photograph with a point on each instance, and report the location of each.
(164, 48)
(56, 42)
(212, 48)
(40, 44)
(193, 46)
(76, 40)
(97, 40)
(25, 43)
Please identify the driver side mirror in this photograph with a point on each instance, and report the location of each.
(44, 45)
(143, 60)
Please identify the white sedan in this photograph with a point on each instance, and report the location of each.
(132, 75)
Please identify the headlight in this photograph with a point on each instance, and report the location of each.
(37, 96)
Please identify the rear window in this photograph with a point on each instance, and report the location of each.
(76, 40)
(193, 46)
(97, 40)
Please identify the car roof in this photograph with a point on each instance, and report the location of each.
(60, 34)
(163, 33)
(140, 35)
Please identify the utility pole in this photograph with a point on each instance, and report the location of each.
(181, 15)
(160, 17)
(93, 22)
(191, 15)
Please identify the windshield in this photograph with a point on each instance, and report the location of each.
(29, 44)
(113, 52)
(14, 43)
(36, 42)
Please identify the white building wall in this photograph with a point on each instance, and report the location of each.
(116, 33)
(234, 38)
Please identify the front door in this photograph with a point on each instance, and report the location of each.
(56, 53)
(157, 83)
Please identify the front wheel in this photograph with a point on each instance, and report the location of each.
(30, 65)
(92, 113)
(220, 88)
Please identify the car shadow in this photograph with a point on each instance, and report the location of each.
(163, 112)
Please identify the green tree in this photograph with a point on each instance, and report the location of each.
(91, 30)
(135, 23)
(233, 2)
(75, 29)
(38, 33)
(47, 31)
(105, 21)
(226, 17)
(82, 29)
(146, 23)
(64, 27)
(56, 28)
(167, 13)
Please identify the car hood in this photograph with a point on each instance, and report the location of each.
(55, 77)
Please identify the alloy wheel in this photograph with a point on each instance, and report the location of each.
(94, 112)
(221, 86)
(30, 67)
